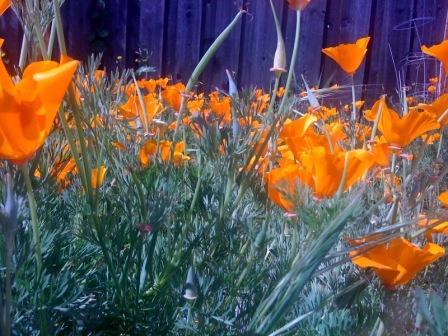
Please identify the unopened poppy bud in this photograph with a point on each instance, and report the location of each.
(279, 65)
(233, 90)
(233, 93)
(190, 291)
(310, 95)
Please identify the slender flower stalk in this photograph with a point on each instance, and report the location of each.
(37, 244)
(353, 117)
(34, 218)
(201, 67)
(292, 66)
(23, 51)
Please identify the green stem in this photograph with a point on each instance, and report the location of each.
(23, 51)
(376, 122)
(51, 39)
(198, 186)
(37, 245)
(59, 28)
(295, 53)
(343, 178)
(84, 169)
(201, 67)
(439, 147)
(353, 100)
(34, 219)
(273, 97)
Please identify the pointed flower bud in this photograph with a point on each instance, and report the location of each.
(279, 65)
(190, 291)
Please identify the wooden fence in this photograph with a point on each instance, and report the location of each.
(173, 34)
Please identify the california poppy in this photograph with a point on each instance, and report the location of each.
(439, 51)
(441, 228)
(372, 113)
(443, 198)
(4, 5)
(401, 131)
(298, 4)
(62, 175)
(294, 132)
(150, 149)
(349, 56)
(437, 109)
(133, 108)
(222, 107)
(399, 261)
(97, 178)
(30, 106)
(172, 94)
(282, 185)
(326, 170)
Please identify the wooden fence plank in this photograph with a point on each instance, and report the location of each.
(388, 39)
(133, 56)
(115, 48)
(258, 45)
(347, 20)
(217, 16)
(177, 32)
(182, 42)
(311, 40)
(11, 32)
(151, 32)
(77, 16)
(427, 15)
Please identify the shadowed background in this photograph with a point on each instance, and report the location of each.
(172, 35)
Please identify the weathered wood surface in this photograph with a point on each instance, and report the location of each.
(172, 35)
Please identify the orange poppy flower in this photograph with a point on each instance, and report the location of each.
(399, 261)
(97, 177)
(294, 132)
(437, 109)
(222, 107)
(118, 145)
(443, 198)
(172, 94)
(381, 151)
(298, 4)
(439, 51)
(195, 105)
(349, 56)
(62, 176)
(4, 5)
(133, 108)
(326, 170)
(371, 114)
(441, 228)
(282, 185)
(401, 131)
(29, 107)
(149, 151)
